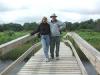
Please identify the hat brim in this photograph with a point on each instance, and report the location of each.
(52, 16)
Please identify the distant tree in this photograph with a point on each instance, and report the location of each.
(97, 27)
(30, 26)
(13, 27)
(1, 28)
(89, 24)
(68, 26)
(75, 26)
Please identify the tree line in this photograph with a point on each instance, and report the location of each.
(18, 27)
(88, 24)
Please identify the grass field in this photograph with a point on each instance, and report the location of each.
(92, 37)
(8, 36)
(15, 53)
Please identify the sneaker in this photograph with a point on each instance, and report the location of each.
(57, 58)
(47, 59)
(51, 59)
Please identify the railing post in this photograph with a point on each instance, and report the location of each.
(67, 37)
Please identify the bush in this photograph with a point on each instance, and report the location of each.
(10, 33)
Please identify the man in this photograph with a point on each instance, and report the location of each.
(55, 27)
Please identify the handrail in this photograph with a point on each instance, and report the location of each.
(91, 53)
(83, 70)
(20, 59)
(6, 47)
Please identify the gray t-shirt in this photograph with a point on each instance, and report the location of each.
(55, 27)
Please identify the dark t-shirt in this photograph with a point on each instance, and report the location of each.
(43, 29)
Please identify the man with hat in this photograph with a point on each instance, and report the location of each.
(55, 27)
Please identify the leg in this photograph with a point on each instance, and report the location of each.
(43, 41)
(57, 45)
(47, 39)
(52, 46)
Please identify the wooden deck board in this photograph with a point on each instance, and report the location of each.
(67, 65)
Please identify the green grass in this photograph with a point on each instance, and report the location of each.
(92, 37)
(15, 53)
(63, 34)
(5, 37)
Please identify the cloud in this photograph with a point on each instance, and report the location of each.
(12, 5)
(33, 10)
(84, 7)
(83, 11)
(3, 8)
(28, 19)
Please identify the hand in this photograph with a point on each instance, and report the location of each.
(31, 34)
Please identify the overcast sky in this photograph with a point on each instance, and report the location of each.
(21, 11)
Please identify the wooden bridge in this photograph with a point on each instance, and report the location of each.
(69, 63)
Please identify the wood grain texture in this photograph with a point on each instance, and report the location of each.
(67, 65)
(91, 53)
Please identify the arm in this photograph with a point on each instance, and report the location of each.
(38, 29)
(49, 29)
(61, 25)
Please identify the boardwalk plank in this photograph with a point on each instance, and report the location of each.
(67, 65)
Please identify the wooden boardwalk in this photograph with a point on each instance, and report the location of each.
(67, 65)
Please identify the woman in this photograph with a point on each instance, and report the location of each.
(44, 31)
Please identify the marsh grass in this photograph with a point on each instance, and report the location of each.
(15, 53)
(8, 36)
(92, 38)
